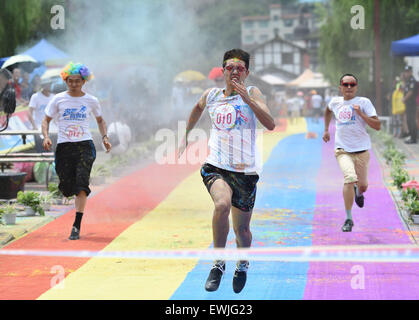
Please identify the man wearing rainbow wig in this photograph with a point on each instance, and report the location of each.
(75, 152)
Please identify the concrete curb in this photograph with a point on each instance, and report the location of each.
(9, 233)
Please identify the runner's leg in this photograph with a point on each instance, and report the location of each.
(221, 194)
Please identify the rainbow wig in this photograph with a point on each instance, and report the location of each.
(75, 69)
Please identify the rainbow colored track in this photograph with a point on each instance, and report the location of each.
(298, 203)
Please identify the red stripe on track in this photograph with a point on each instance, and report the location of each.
(107, 214)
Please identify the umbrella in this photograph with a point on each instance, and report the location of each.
(189, 76)
(51, 73)
(197, 90)
(21, 60)
(216, 72)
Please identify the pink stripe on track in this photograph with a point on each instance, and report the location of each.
(377, 223)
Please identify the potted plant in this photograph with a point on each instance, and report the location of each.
(399, 176)
(46, 200)
(414, 211)
(8, 213)
(32, 201)
(394, 156)
(410, 198)
(55, 193)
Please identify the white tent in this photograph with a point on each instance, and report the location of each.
(317, 81)
(273, 80)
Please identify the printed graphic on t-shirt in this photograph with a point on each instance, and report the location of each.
(227, 116)
(75, 114)
(74, 132)
(346, 115)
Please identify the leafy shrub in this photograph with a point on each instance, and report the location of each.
(31, 199)
(54, 191)
(399, 176)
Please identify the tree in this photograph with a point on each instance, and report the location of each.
(22, 21)
(398, 19)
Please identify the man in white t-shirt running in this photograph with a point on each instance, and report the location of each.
(75, 151)
(37, 106)
(352, 141)
(230, 172)
(317, 103)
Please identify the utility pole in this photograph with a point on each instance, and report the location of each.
(378, 95)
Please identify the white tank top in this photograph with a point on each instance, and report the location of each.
(232, 142)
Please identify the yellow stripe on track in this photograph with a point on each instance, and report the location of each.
(182, 220)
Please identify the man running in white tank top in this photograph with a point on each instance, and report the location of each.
(230, 172)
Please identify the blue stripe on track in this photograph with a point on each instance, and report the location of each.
(282, 216)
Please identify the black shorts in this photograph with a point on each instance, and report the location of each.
(73, 163)
(243, 185)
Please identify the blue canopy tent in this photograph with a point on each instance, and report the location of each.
(406, 47)
(44, 51)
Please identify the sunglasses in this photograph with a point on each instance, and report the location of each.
(347, 84)
(239, 68)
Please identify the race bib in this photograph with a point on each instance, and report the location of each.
(225, 116)
(346, 114)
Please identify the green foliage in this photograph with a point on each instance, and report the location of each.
(46, 198)
(23, 21)
(410, 194)
(54, 191)
(412, 205)
(398, 19)
(396, 159)
(31, 199)
(100, 171)
(7, 209)
(399, 176)
(394, 156)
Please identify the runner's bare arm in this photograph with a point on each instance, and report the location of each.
(103, 131)
(257, 103)
(47, 143)
(327, 119)
(31, 120)
(261, 110)
(373, 122)
(197, 112)
(193, 119)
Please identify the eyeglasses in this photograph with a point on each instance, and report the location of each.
(347, 84)
(239, 68)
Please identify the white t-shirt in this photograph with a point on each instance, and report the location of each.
(295, 104)
(316, 101)
(351, 134)
(39, 102)
(73, 115)
(232, 142)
